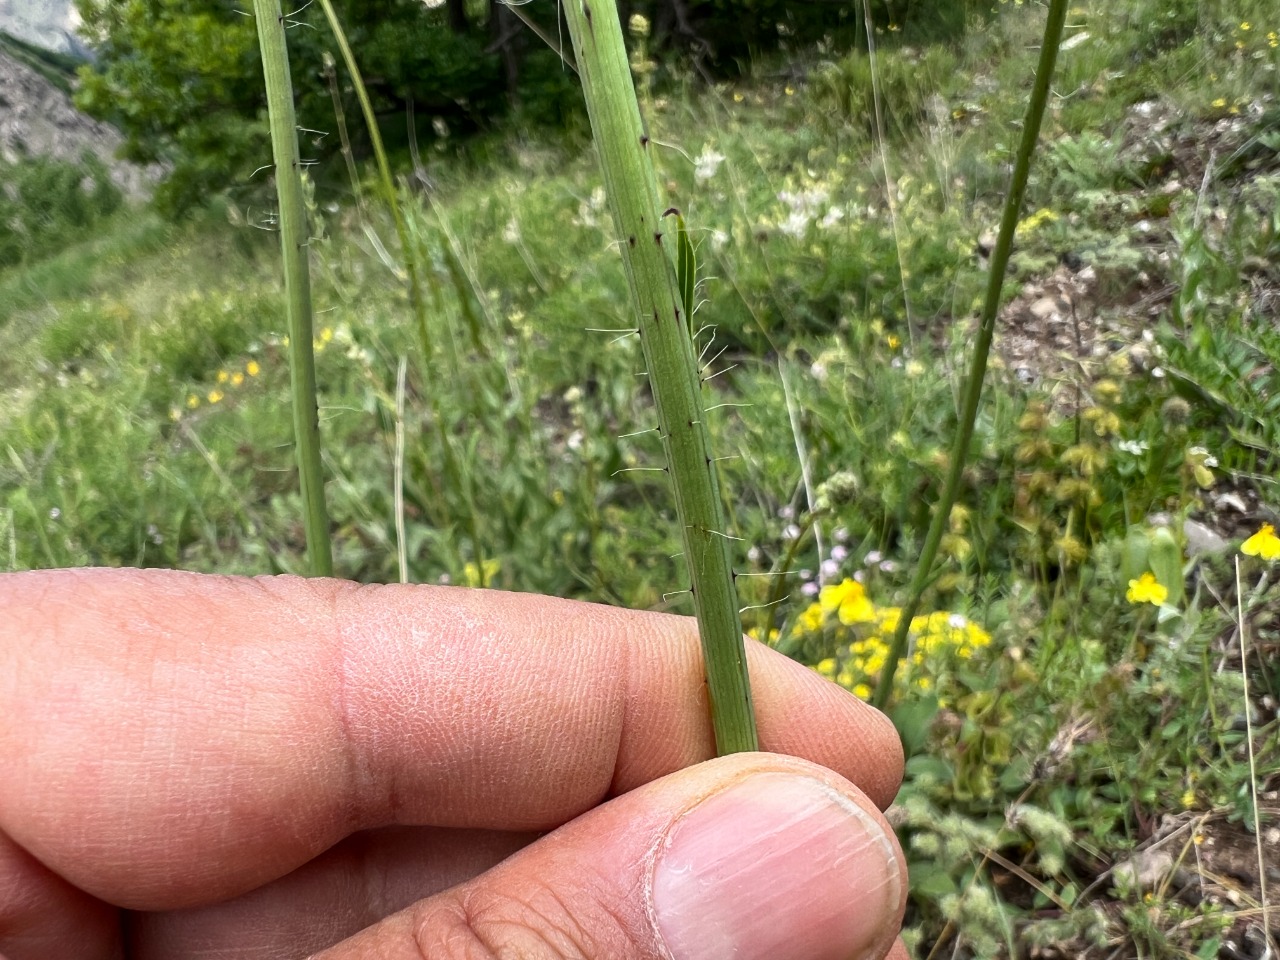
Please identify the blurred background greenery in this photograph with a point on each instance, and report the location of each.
(1075, 706)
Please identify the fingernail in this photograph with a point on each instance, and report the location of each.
(777, 865)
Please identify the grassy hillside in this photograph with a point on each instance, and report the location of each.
(1076, 704)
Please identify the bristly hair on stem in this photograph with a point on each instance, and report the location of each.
(661, 309)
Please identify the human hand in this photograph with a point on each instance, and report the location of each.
(216, 767)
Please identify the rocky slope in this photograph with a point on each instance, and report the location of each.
(39, 120)
(50, 24)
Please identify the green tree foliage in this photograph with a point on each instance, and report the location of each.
(46, 204)
(182, 81)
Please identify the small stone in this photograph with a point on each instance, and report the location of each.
(1201, 539)
(1045, 307)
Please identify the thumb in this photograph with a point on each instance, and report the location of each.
(749, 856)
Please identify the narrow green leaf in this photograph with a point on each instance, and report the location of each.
(686, 267)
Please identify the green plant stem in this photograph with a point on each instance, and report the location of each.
(982, 347)
(388, 185)
(294, 238)
(632, 189)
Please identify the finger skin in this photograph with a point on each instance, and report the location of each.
(587, 890)
(363, 879)
(178, 739)
(42, 915)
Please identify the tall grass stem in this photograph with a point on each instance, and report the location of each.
(388, 184)
(623, 145)
(982, 346)
(294, 240)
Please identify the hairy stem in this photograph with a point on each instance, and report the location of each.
(632, 189)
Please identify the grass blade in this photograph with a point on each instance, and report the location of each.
(982, 346)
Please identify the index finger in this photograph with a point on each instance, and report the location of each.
(176, 738)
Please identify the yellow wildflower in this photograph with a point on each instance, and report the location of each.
(471, 574)
(215, 396)
(223, 376)
(812, 619)
(1264, 544)
(1146, 589)
(252, 368)
(862, 692)
(192, 401)
(827, 668)
(849, 601)
(237, 379)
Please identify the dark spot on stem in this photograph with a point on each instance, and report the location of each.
(657, 238)
(631, 241)
(644, 139)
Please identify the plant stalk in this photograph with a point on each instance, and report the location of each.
(384, 176)
(294, 238)
(982, 346)
(631, 186)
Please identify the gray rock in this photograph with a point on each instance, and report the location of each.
(50, 24)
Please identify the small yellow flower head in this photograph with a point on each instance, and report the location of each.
(175, 414)
(893, 341)
(215, 396)
(812, 619)
(1220, 102)
(638, 25)
(1107, 391)
(862, 692)
(223, 376)
(192, 401)
(1146, 589)
(1264, 544)
(849, 601)
(237, 379)
(326, 334)
(827, 668)
(1246, 26)
(471, 573)
(252, 368)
